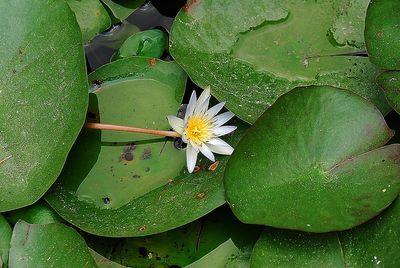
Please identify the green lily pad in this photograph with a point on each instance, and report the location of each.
(313, 162)
(49, 245)
(38, 213)
(181, 246)
(43, 96)
(150, 43)
(129, 184)
(382, 33)
(251, 54)
(373, 244)
(376, 243)
(121, 9)
(5, 238)
(390, 83)
(183, 199)
(279, 248)
(92, 17)
(218, 257)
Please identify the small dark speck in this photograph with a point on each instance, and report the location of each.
(143, 252)
(106, 200)
(136, 176)
(91, 115)
(147, 169)
(97, 82)
(128, 156)
(383, 160)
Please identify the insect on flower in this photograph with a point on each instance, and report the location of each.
(202, 127)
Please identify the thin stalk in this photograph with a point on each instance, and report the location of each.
(132, 129)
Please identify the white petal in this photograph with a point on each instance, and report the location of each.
(184, 139)
(203, 101)
(191, 106)
(215, 109)
(191, 158)
(195, 146)
(220, 131)
(217, 142)
(225, 149)
(202, 108)
(207, 152)
(176, 123)
(223, 118)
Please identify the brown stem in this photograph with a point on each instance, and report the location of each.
(132, 129)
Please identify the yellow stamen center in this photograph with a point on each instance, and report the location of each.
(199, 129)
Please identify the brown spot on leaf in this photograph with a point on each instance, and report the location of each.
(153, 61)
(143, 228)
(189, 4)
(214, 166)
(146, 154)
(136, 176)
(201, 195)
(97, 13)
(127, 152)
(5, 159)
(196, 169)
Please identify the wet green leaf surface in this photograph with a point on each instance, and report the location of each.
(382, 33)
(5, 238)
(49, 245)
(251, 54)
(298, 165)
(375, 243)
(121, 9)
(92, 17)
(38, 213)
(218, 257)
(389, 81)
(278, 248)
(43, 96)
(150, 43)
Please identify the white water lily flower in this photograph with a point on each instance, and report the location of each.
(201, 128)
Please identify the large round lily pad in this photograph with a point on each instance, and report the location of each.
(382, 33)
(43, 96)
(252, 53)
(129, 184)
(313, 162)
(48, 245)
(373, 244)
